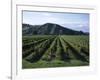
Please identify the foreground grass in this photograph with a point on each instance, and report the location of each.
(55, 63)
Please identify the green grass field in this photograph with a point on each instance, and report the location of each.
(55, 51)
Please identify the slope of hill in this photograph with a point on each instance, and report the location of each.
(48, 29)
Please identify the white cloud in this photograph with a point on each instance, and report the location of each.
(80, 25)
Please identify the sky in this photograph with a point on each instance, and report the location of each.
(75, 21)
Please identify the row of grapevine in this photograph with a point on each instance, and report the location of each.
(49, 48)
(77, 51)
(39, 50)
(29, 47)
(81, 42)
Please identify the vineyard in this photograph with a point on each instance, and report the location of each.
(55, 51)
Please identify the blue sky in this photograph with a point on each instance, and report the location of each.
(76, 21)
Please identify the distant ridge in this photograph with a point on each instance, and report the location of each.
(49, 29)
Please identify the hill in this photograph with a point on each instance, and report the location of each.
(48, 29)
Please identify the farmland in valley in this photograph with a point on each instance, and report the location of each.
(41, 51)
(55, 39)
